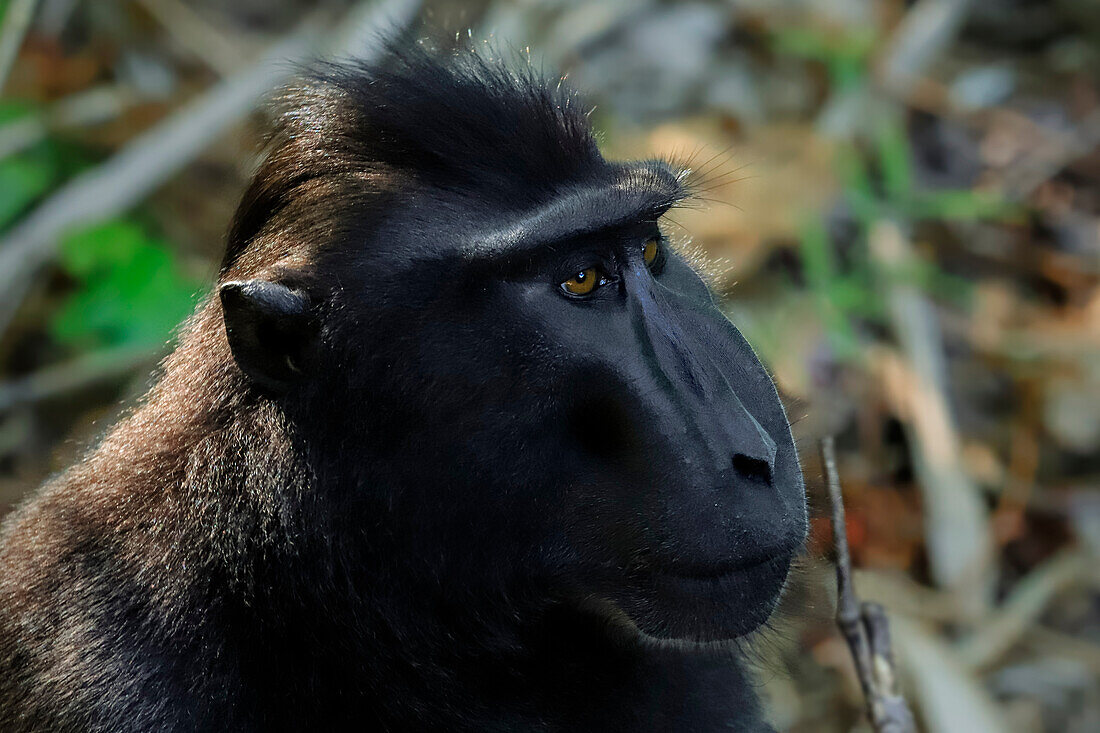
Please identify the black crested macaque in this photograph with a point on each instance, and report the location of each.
(460, 444)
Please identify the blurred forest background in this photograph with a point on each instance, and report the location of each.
(901, 202)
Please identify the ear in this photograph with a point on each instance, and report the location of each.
(271, 331)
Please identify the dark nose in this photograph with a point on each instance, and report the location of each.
(689, 365)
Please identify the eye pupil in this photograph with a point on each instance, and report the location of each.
(583, 283)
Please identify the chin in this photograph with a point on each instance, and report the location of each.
(709, 610)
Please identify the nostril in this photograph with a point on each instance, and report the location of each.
(754, 469)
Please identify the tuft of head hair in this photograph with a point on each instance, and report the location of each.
(351, 134)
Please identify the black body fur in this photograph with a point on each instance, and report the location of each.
(393, 478)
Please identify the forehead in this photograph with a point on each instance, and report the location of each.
(455, 225)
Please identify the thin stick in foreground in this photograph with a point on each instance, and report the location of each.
(864, 625)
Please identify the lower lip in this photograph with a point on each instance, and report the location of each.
(718, 574)
(701, 607)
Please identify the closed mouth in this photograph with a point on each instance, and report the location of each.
(717, 572)
(695, 605)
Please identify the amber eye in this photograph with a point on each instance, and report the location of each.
(650, 250)
(583, 283)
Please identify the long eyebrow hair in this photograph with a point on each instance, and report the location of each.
(635, 193)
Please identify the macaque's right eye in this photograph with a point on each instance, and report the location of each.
(583, 283)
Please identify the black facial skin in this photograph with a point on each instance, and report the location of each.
(396, 477)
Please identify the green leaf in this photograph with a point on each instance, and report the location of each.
(832, 293)
(959, 205)
(13, 109)
(895, 158)
(131, 289)
(23, 179)
(817, 253)
(859, 192)
(27, 176)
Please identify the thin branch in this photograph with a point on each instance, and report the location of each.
(864, 625)
(76, 375)
(206, 42)
(1023, 607)
(956, 520)
(951, 699)
(88, 107)
(16, 22)
(159, 153)
(1044, 161)
(927, 28)
(143, 165)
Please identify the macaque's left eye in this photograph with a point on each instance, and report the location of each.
(650, 251)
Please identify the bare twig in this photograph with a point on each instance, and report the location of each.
(864, 625)
(1044, 161)
(157, 154)
(87, 107)
(14, 429)
(204, 41)
(956, 520)
(1021, 609)
(906, 595)
(949, 696)
(15, 24)
(75, 375)
(1045, 641)
(928, 27)
(141, 166)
